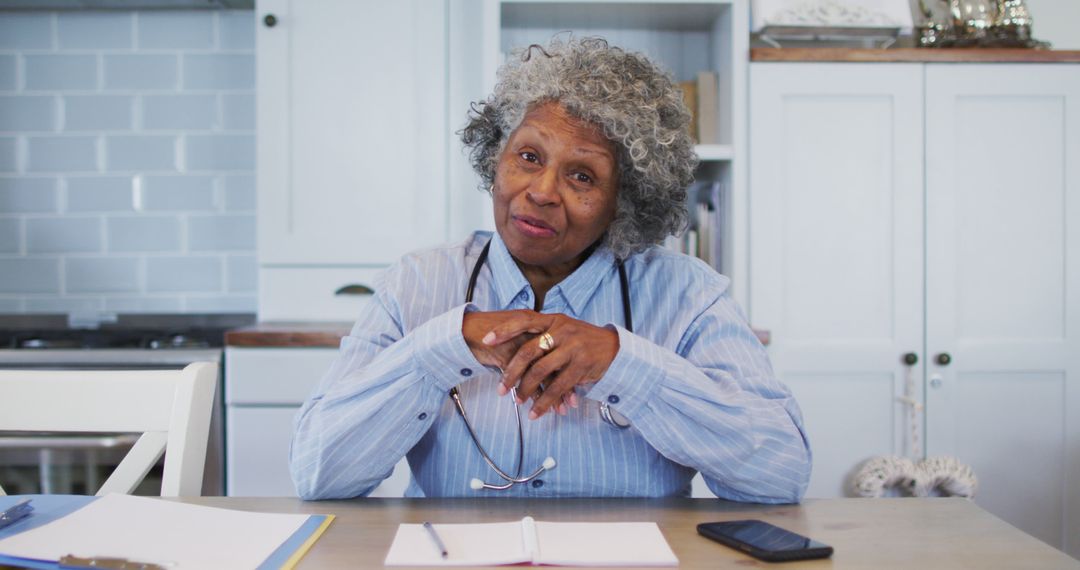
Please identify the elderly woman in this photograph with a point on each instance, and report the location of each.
(634, 366)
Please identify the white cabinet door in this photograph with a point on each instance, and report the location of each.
(352, 130)
(1003, 263)
(836, 249)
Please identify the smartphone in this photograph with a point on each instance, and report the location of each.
(764, 541)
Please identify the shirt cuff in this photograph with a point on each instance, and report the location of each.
(441, 351)
(633, 377)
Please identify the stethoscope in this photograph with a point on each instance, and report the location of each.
(606, 413)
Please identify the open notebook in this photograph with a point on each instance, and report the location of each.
(529, 541)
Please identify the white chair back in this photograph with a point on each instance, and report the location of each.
(170, 408)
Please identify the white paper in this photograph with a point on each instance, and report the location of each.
(145, 529)
(482, 544)
(603, 544)
(555, 543)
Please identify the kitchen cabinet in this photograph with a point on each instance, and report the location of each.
(351, 146)
(264, 388)
(922, 208)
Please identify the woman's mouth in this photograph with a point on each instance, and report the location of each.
(533, 227)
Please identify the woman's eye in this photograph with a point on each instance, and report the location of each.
(529, 157)
(583, 178)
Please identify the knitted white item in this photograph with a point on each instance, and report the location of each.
(879, 474)
(936, 476)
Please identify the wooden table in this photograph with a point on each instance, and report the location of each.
(866, 533)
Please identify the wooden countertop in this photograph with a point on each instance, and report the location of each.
(915, 55)
(312, 335)
(928, 534)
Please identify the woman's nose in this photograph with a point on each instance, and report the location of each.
(544, 189)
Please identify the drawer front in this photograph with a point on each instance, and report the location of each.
(274, 376)
(313, 293)
(258, 455)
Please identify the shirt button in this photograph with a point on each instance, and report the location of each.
(422, 416)
(537, 483)
(613, 399)
(466, 372)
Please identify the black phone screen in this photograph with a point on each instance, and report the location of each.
(764, 540)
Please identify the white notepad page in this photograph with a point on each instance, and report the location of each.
(528, 541)
(146, 529)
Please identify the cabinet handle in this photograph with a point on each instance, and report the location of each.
(911, 359)
(270, 20)
(354, 289)
(943, 359)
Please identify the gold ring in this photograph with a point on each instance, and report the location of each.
(547, 342)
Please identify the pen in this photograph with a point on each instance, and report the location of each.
(435, 538)
(18, 511)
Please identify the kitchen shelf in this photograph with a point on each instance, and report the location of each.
(710, 152)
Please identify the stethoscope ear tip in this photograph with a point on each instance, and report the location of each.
(549, 463)
(476, 484)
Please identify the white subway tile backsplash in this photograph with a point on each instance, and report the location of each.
(217, 233)
(27, 113)
(63, 304)
(8, 146)
(184, 274)
(176, 30)
(10, 235)
(60, 72)
(63, 235)
(219, 71)
(7, 72)
(140, 71)
(140, 152)
(236, 29)
(175, 112)
(173, 304)
(143, 234)
(102, 274)
(61, 153)
(241, 273)
(25, 30)
(222, 304)
(220, 152)
(127, 161)
(98, 112)
(178, 193)
(239, 192)
(99, 194)
(28, 195)
(30, 275)
(238, 111)
(94, 30)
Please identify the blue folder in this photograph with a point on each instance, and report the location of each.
(48, 508)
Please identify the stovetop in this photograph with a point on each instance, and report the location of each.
(118, 331)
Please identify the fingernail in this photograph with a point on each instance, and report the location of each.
(533, 415)
(519, 400)
(502, 389)
(573, 400)
(562, 409)
(489, 338)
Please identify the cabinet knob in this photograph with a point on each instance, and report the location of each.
(943, 359)
(935, 381)
(270, 20)
(911, 359)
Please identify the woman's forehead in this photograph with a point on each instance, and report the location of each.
(550, 120)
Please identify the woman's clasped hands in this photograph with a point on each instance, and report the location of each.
(544, 355)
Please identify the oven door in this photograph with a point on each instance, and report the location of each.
(76, 463)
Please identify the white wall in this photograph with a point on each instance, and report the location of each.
(1056, 21)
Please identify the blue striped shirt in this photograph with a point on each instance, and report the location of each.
(692, 378)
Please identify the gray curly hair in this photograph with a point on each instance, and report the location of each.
(630, 99)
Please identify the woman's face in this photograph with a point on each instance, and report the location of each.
(555, 188)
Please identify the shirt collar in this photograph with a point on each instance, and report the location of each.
(575, 290)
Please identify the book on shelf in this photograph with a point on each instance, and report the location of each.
(701, 96)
